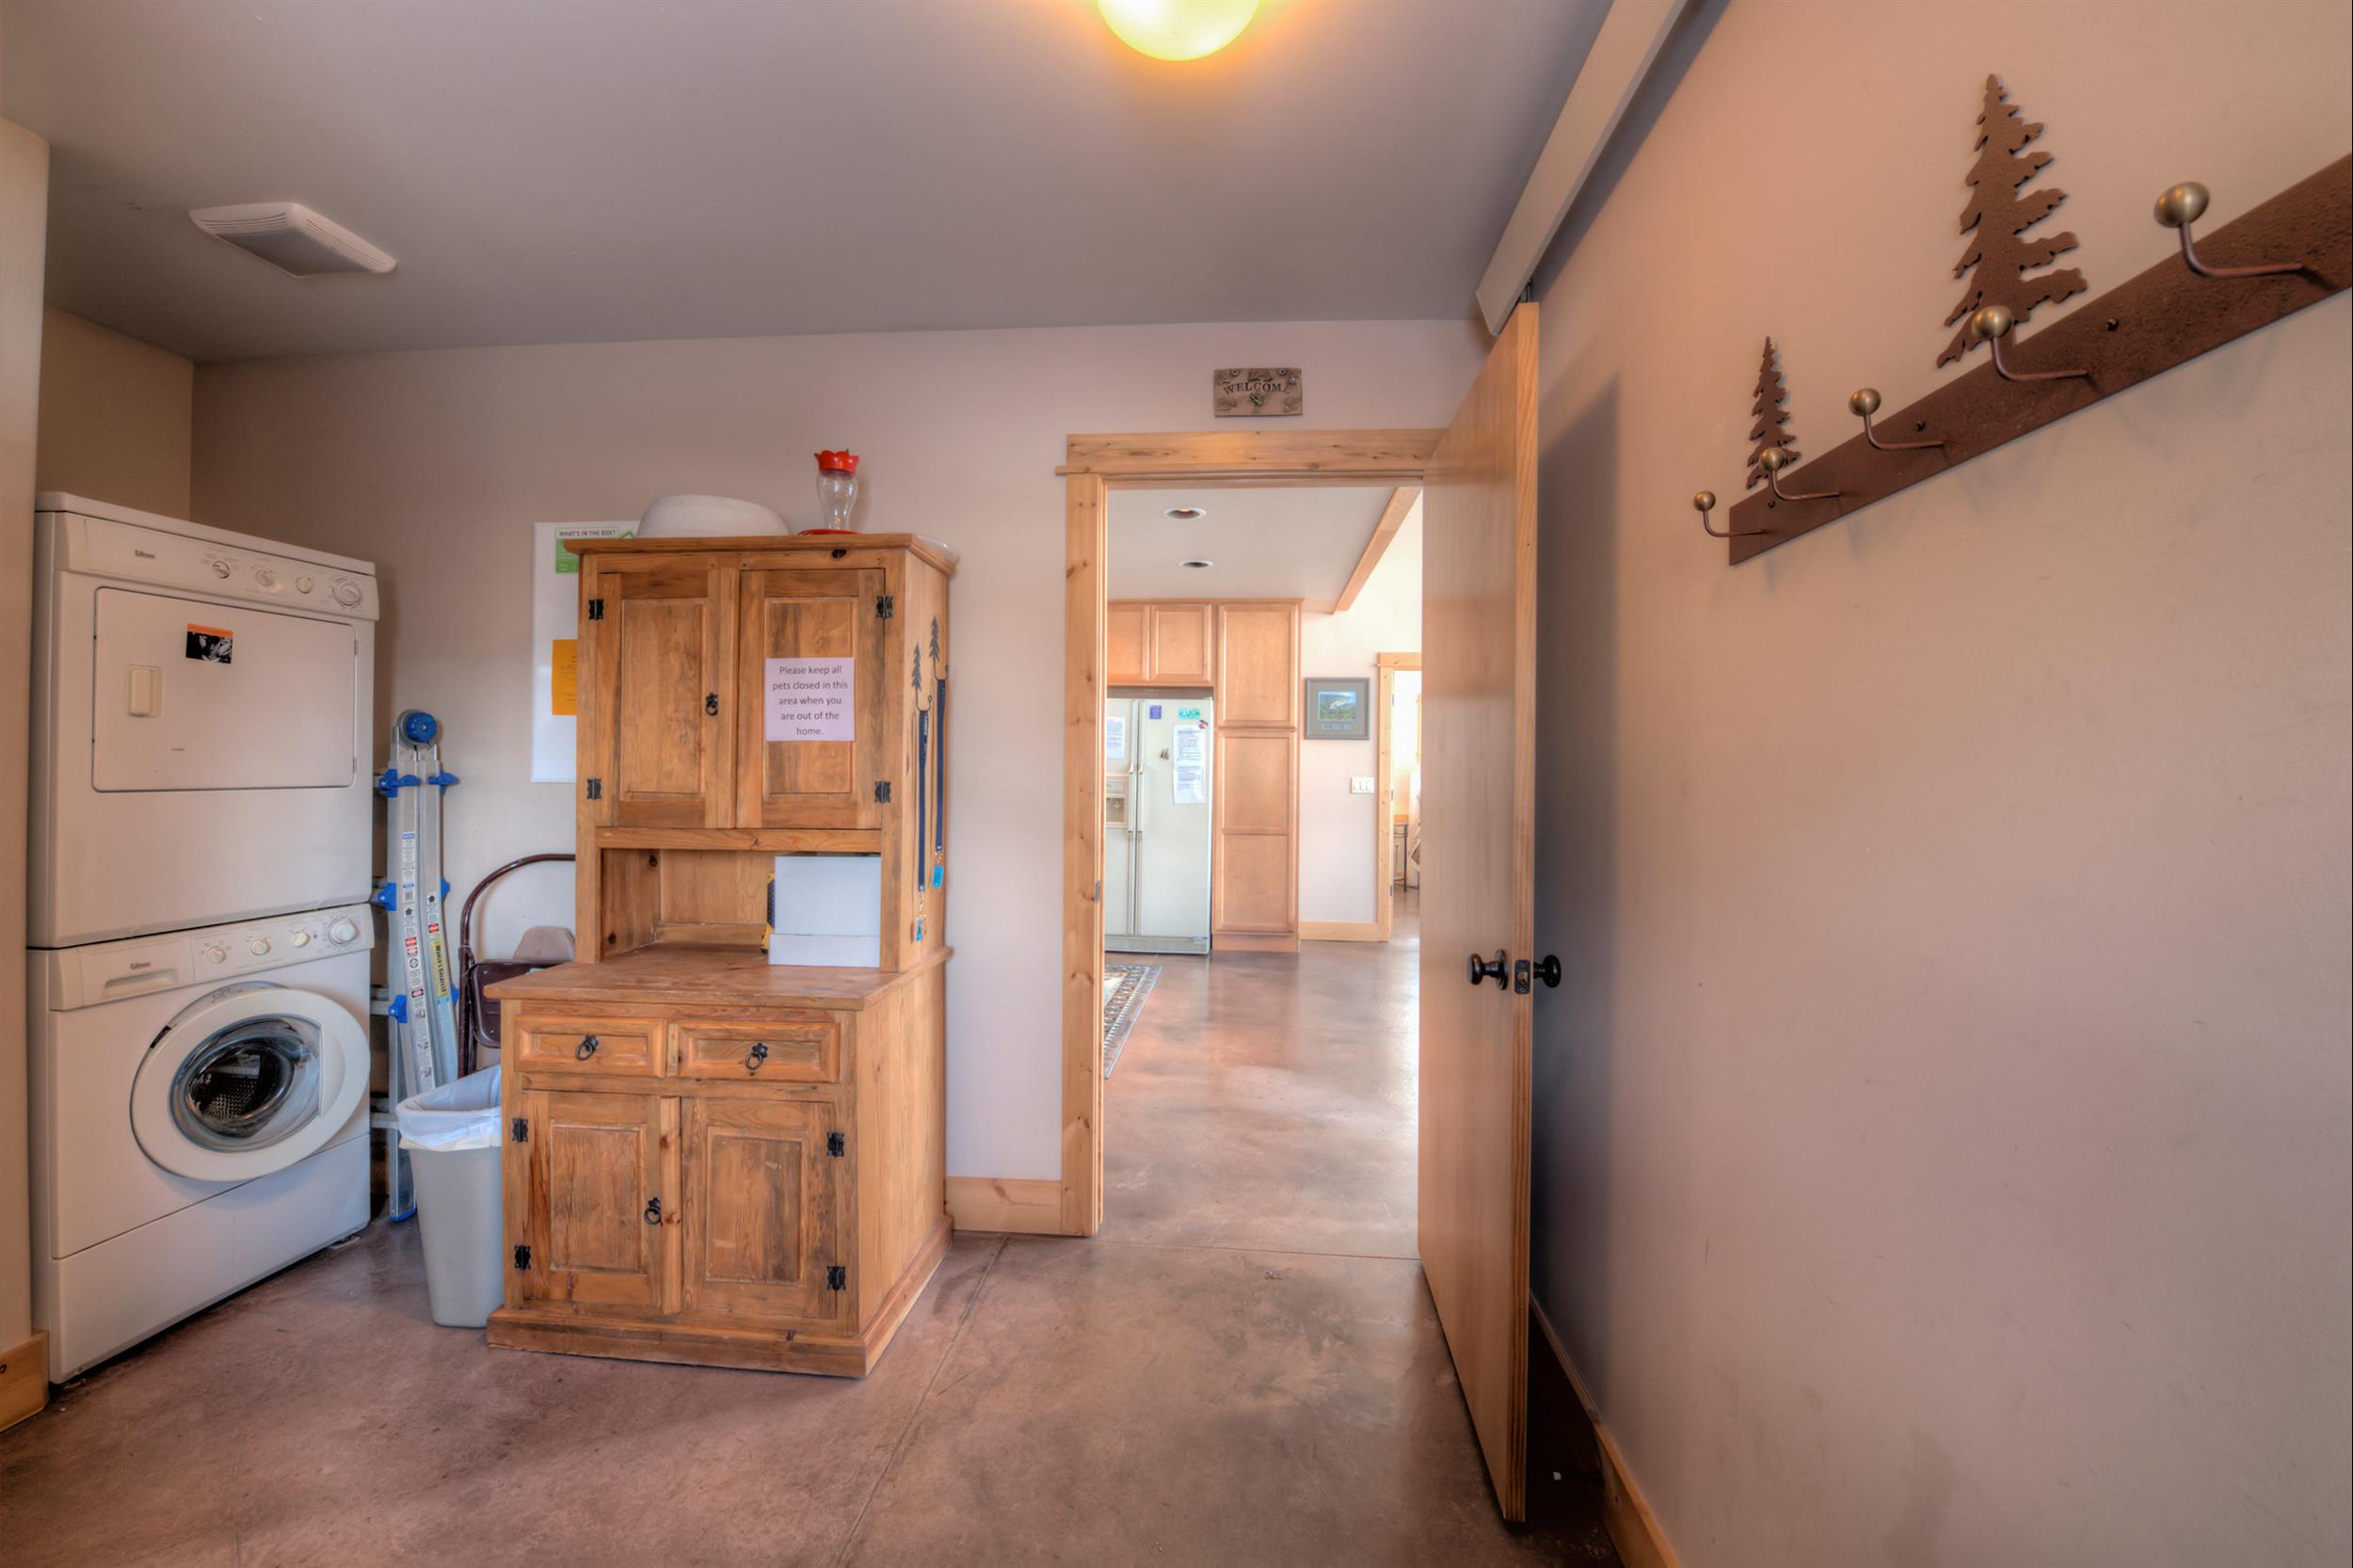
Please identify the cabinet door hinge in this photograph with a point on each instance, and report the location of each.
(522, 1258)
(596, 609)
(885, 608)
(596, 789)
(836, 1278)
(882, 791)
(836, 1145)
(522, 1130)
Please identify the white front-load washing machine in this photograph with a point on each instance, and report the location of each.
(198, 1119)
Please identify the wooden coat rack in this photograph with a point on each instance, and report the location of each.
(2283, 255)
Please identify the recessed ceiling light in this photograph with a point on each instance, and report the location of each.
(1186, 514)
(1178, 29)
(1197, 566)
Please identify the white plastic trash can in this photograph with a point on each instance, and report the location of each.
(452, 1137)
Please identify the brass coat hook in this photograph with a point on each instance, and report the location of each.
(1704, 503)
(1773, 461)
(1990, 326)
(2184, 205)
(1865, 402)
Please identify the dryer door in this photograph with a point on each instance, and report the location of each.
(249, 1081)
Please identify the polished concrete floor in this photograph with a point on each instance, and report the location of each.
(1242, 1370)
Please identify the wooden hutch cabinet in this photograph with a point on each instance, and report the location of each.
(709, 1158)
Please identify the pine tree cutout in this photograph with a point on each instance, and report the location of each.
(1998, 214)
(1771, 414)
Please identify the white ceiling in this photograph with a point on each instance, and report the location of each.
(1293, 542)
(582, 170)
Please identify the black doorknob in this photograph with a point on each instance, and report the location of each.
(1489, 968)
(1548, 969)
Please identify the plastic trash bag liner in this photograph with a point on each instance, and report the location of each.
(459, 1115)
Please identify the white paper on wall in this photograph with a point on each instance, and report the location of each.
(554, 644)
(812, 699)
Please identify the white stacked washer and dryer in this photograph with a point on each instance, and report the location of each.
(200, 851)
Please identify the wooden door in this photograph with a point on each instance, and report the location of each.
(1257, 650)
(599, 1199)
(1123, 661)
(819, 615)
(655, 748)
(762, 1227)
(1177, 637)
(1479, 653)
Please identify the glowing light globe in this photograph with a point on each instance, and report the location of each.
(1178, 29)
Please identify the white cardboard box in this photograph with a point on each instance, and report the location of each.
(825, 910)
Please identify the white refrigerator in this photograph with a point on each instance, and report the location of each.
(1156, 818)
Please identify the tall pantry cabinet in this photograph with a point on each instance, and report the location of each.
(709, 1158)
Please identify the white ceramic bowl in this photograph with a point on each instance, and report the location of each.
(691, 516)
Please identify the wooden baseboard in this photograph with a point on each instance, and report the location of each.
(1025, 1206)
(23, 1380)
(1341, 931)
(1632, 1526)
(1253, 942)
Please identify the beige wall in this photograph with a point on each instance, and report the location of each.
(115, 415)
(436, 464)
(23, 228)
(1336, 828)
(1943, 1126)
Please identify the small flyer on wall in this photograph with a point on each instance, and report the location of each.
(554, 643)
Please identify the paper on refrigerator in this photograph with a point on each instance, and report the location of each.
(1190, 772)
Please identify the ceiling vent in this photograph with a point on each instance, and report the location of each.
(291, 237)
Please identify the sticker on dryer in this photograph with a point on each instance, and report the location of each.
(215, 645)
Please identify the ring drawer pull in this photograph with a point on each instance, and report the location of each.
(756, 1056)
(653, 1211)
(587, 1049)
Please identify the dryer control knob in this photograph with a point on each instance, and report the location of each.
(220, 568)
(303, 584)
(266, 577)
(347, 595)
(215, 954)
(259, 946)
(300, 938)
(342, 931)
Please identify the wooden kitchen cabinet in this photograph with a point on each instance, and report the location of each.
(1159, 642)
(712, 1158)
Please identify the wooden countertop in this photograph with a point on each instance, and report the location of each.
(717, 977)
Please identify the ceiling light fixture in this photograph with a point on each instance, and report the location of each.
(1176, 29)
(1197, 566)
(1186, 514)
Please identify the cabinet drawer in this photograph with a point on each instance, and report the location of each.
(788, 1048)
(561, 1043)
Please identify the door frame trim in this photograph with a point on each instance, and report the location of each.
(1385, 770)
(1094, 465)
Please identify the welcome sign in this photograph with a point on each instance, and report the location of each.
(1256, 391)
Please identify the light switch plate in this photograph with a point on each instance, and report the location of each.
(1361, 785)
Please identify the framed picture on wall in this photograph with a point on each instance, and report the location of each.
(1338, 709)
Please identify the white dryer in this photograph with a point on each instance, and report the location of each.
(200, 724)
(198, 1119)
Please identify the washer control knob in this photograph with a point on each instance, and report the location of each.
(300, 938)
(259, 946)
(303, 584)
(266, 577)
(347, 595)
(215, 954)
(342, 931)
(220, 568)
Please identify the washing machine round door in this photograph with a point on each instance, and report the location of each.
(249, 1081)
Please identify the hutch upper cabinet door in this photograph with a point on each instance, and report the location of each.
(655, 751)
(1178, 637)
(763, 1229)
(1124, 662)
(810, 636)
(599, 1198)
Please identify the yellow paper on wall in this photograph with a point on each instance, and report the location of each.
(564, 678)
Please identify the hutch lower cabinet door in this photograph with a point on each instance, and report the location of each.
(599, 1182)
(762, 1220)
